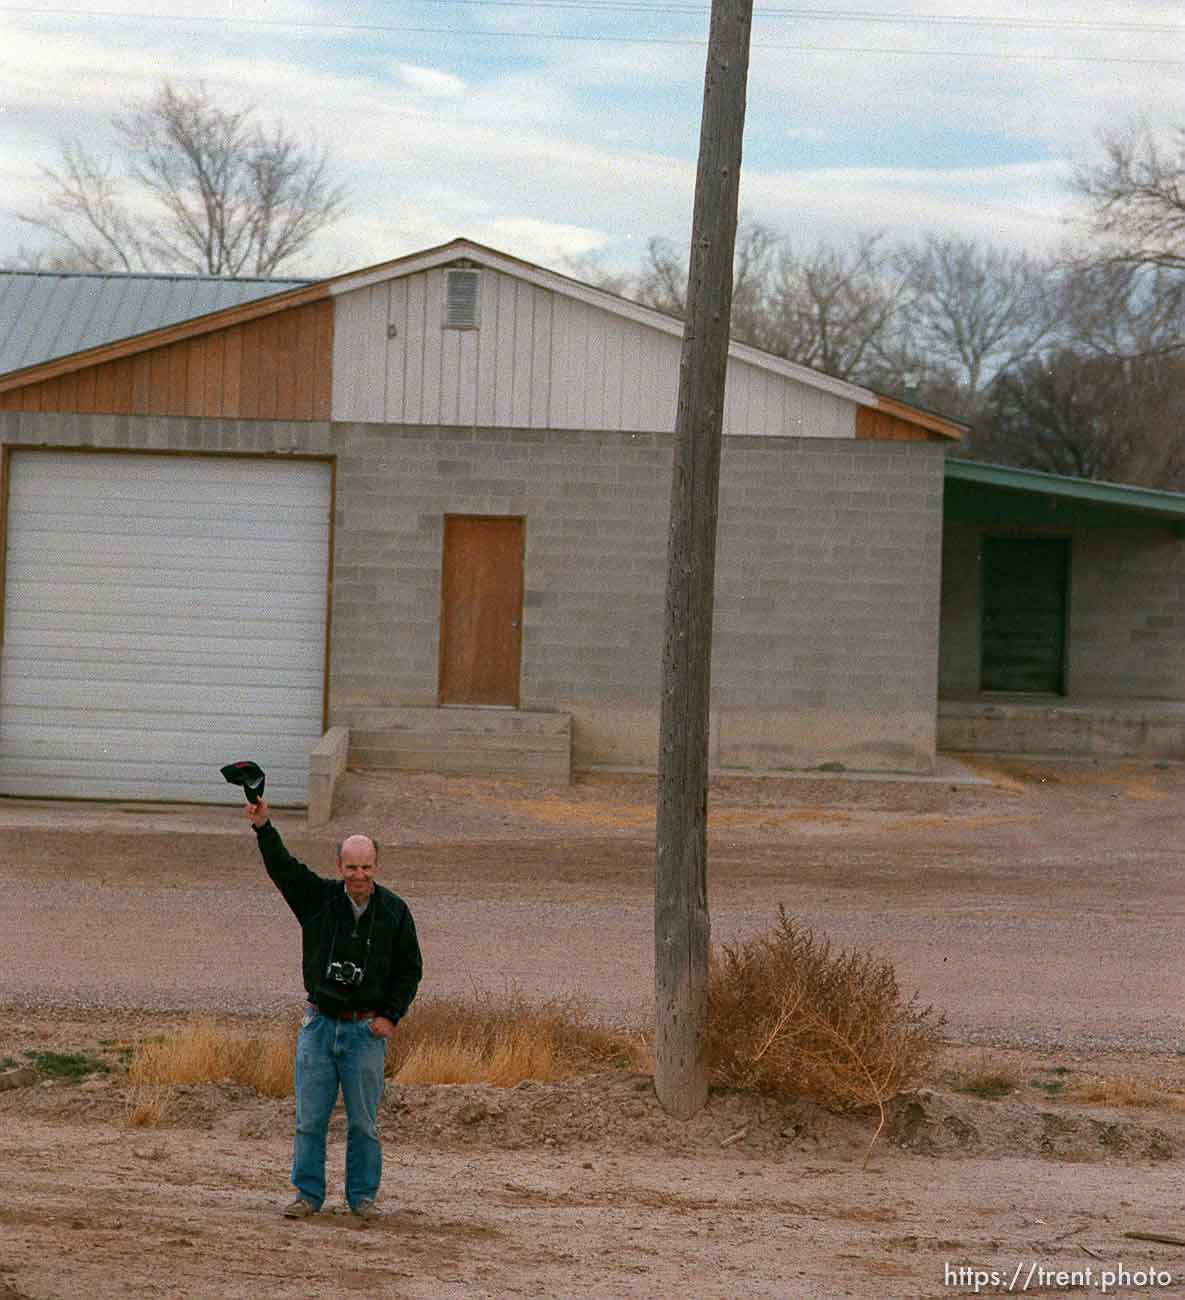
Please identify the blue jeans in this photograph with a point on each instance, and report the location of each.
(332, 1054)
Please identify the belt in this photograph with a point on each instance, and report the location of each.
(346, 1015)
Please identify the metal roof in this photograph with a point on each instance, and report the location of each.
(48, 314)
(1007, 494)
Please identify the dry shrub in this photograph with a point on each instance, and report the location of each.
(485, 1039)
(148, 1105)
(205, 1053)
(1124, 1090)
(987, 1078)
(790, 1015)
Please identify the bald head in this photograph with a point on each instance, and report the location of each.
(357, 841)
(357, 862)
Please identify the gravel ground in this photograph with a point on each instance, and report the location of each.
(1042, 909)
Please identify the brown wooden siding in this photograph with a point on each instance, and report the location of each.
(880, 426)
(277, 367)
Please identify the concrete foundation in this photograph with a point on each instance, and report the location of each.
(1055, 726)
(468, 741)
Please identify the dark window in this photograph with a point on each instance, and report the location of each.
(1024, 614)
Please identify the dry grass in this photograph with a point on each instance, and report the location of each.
(986, 1077)
(205, 1053)
(485, 1039)
(444, 1040)
(148, 1105)
(790, 1015)
(1124, 1091)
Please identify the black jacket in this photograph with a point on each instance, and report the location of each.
(382, 941)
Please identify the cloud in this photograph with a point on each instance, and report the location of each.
(1020, 206)
(430, 81)
(591, 145)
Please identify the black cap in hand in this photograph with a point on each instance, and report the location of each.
(247, 774)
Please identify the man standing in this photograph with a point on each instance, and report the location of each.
(362, 966)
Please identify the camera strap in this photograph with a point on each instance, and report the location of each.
(374, 908)
(374, 911)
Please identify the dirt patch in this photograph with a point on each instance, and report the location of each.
(582, 1188)
(1043, 913)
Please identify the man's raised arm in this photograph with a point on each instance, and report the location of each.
(302, 888)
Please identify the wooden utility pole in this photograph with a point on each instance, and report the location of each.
(681, 923)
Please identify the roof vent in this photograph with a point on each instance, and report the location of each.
(461, 296)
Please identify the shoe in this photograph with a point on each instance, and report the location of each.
(300, 1209)
(366, 1210)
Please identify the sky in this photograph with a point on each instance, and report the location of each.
(559, 131)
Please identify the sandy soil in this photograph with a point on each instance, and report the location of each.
(1041, 909)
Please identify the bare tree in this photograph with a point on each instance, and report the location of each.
(1097, 417)
(1136, 196)
(830, 308)
(1116, 309)
(194, 187)
(973, 312)
(934, 323)
(43, 259)
(753, 263)
(662, 280)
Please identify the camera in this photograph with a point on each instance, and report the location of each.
(343, 972)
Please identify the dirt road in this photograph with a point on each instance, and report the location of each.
(1042, 912)
(1046, 908)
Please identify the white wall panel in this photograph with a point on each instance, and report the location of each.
(396, 353)
(374, 377)
(412, 329)
(351, 342)
(524, 354)
(450, 376)
(487, 357)
(163, 615)
(540, 359)
(430, 411)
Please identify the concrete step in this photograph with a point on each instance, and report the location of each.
(464, 741)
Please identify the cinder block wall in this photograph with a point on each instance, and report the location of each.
(959, 639)
(1126, 625)
(594, 565)
(827, 596)
(827, 586)
(1127, 615)
(826, 645)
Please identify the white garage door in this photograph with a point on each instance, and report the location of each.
(163, 615)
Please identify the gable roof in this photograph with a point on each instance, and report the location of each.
(478, 255)
(45, 315)
(467, 252)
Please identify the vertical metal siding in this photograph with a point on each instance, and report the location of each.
(391, 402)
(504, 352)
(375, 358)
(486, 357)
(413, 326)
(163, 615)
(539, 359)
(433, 347)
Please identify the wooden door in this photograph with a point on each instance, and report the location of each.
(481, 610)
(1024, 614)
